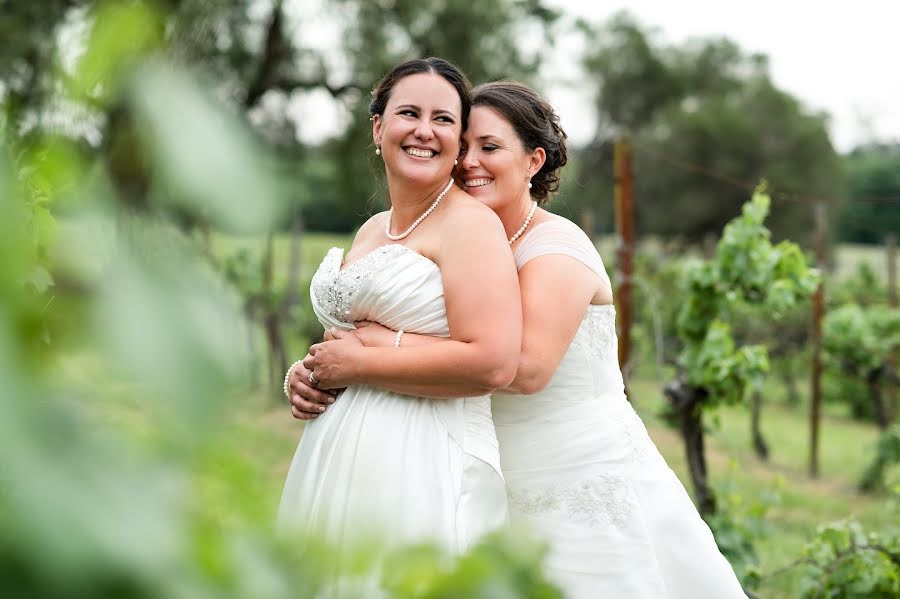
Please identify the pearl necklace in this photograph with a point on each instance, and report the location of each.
(525, 224)
(387, 226)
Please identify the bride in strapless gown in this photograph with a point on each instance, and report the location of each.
(387, 466)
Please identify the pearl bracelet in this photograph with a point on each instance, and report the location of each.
(287, 378)
(397, 338)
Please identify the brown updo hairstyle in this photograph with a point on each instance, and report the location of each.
(438, 66)
(536, 124)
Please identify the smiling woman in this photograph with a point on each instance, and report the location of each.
(417, 139)
(385, 462)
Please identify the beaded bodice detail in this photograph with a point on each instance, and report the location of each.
(401, 289)
(335, 288)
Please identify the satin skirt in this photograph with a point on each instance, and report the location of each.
(393, 470)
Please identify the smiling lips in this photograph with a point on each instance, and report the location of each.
(420, 152)
(480, 182)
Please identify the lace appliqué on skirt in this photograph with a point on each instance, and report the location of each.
(335, 289)
(600, 501)
(640, 447)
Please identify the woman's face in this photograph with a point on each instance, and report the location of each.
(419, 132)
(494, 166)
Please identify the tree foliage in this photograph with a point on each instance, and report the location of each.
(873, 173)
(712, 369)
(887, 455)
(706, 121)
(255, 55)
(844, 561)
(859, 343)
(747, 267)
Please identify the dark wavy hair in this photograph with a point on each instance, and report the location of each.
(443, 68)
(536, 124)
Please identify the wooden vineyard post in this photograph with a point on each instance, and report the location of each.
(624, 209)
(818, 311)
(891, 250)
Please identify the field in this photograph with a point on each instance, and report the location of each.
(264, 437)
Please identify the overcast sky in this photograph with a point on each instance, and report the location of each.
(840, 57)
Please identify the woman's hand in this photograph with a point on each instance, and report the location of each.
(370, 334)
(333, 362)
(307, 402)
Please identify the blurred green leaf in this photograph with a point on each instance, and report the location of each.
(171, 326)
(123, 33)
(206, 159)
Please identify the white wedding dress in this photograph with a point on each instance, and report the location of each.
(581, 470)
(380, 465)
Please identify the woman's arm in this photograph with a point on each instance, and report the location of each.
(483, 311)
(556, 291)
(307, 402)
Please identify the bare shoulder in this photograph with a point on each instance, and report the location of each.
(466, 212)
(375, 222)
(369, 229)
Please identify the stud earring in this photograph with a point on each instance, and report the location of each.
(456, 162)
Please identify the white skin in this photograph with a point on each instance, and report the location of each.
(556, 290)
(419, 137)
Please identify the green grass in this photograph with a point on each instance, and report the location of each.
(240, 477)
(846, 447)
(313, 249)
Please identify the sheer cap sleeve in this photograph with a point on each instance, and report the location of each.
(560, 236)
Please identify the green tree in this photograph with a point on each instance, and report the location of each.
(844, 561)
(873, 173)
(29, 58)
(703, 104)
(887, 454)
(858, 344)
(712, 370)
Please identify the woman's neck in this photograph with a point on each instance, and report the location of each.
(409, 200)
(513, 214)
